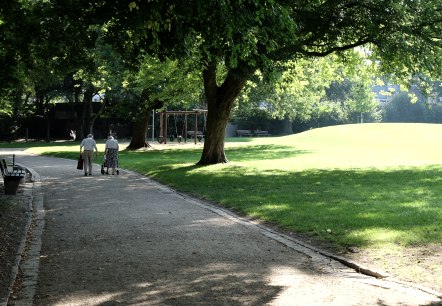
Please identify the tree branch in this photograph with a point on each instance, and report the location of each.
(358, 43)
(209, 78)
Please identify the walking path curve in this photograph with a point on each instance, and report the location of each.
(127, 240)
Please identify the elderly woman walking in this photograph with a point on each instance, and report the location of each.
(111, 153)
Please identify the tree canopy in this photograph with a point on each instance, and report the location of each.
(253, 33)
(246, 35)
(229, 40)
(307, 90)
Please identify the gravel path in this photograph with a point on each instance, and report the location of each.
(126, 240)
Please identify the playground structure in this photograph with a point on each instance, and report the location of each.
(164, 123)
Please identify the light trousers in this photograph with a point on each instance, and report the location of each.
(88, 157)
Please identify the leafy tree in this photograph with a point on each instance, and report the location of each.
(414, 105)
(154, 84)
(17, 27)
(363, 103)
(66, 63)
(313, 93)
(354, 93)
(169, 83)
(290, 92)
(15, 17)
(39, 49)
(402, 33)
(401, 109)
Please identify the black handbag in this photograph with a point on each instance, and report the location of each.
(80, 163)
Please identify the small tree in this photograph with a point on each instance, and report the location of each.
(154, 84)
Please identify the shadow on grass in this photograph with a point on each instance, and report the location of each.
(260, 152)
(247, 153)
(360, 207)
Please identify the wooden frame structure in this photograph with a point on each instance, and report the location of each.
(164, 119)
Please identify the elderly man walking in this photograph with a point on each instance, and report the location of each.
(89, 145)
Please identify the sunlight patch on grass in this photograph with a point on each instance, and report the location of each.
(377, 237)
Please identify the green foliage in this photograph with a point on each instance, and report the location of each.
(289, 92)
(402, 108)
(5, 106)
(172, 81)
(15, 17)
(404, 33)
(318, 92)
(324, 113)
(416, 28)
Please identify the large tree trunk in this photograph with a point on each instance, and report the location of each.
(88, 116)
(141, 124)
(220, 101)
(87, 113)
(287, 128)
(96, 115)
(139, 132)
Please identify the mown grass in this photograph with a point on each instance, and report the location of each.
(370, 186)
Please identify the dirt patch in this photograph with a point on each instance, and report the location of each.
(14, 212)
(419, 265)
(415, 264)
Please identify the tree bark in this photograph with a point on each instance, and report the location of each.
(141, 124)
(95, 116)
(88, 117)
(139, 131)
(287, 128)
(86, 114)
(220, 101)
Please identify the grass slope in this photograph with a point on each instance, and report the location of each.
(358, 185)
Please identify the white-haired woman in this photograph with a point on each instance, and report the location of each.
(111, 153)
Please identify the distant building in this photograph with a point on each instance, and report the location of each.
(98, 98)
(384, 93)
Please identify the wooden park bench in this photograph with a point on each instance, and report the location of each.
(191, 134)
(242, 133)
(11, 178)
(259, 133)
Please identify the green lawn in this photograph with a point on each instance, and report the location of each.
(377, 187)
(370, 185)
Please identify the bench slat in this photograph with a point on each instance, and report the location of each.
(17, 172)
(244, 133)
